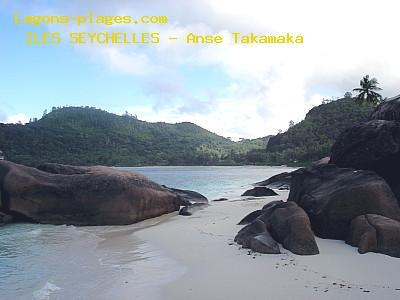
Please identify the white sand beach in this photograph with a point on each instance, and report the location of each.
(217, 268)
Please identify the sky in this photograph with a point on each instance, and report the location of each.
(237, 91)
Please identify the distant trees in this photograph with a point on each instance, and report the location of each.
(348, 95)
(87, 136)
(367, 92)
(312, 138)
(326, 101)
(129, 115)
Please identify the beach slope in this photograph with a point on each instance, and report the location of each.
(217, 268)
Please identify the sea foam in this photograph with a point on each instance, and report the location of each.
(45, 292)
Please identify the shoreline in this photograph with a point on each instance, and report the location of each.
(217, 268)
(194, 257)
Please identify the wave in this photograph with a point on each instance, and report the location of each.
(35, 232)
(45, 292)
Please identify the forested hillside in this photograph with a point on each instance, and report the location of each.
(86, 136)
(312, 138)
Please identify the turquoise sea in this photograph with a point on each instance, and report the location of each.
(68, 262)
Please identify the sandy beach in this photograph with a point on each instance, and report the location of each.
(135, 136)
(186, 257)
(214, 267)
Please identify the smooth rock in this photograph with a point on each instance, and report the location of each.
(190, 210)
(65, 169)
(374, 146)
(290, 226)
(220, 199)
(81, 195)
(264, 243)
(250, 217)
(280, 181)
(5, 219)
(320, 162)
(187, 197)
(375, 233)
(387, 110)
(332, 197)
(184, 211)
(246, 233)
(282, 222)
(259, 191)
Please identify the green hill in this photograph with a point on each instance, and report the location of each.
(312, 138)
(87, 136)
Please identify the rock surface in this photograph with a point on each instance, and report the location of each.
(220, 199)
(191, 209)
(259, 191)
(250, 217)
(387, 110)
(332, 197)
(320, 162)
(186, 197)
(264, 243)
(290, 226)
(375, 233)
(81, 195)
(65, 169)
(5, 219)
(246, 233)
(280, 181)
(278, 221)
(256, 237)
(184, 211)
(350, 196)
(374, 146)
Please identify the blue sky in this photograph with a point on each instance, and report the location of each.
(36, 78)
(236, 91)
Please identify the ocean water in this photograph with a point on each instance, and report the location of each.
(213, 182)
(68, 262)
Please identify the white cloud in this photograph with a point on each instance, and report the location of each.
(130, 62)
(269, 85)
(18, 118)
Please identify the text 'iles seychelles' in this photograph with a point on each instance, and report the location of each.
(156, 38)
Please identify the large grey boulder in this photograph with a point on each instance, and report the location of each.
(332, 197)
(282, 222)
(250, 217)
(280, 181)
(264, 243)
(259, 191)
(187, 197)
(375, 233)
(374, 146)
(388, 110)
(290, 226)
(60, 194)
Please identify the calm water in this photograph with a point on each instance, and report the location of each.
(67, 262)
(213, 182)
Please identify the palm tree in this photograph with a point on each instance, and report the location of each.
(367, 92)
